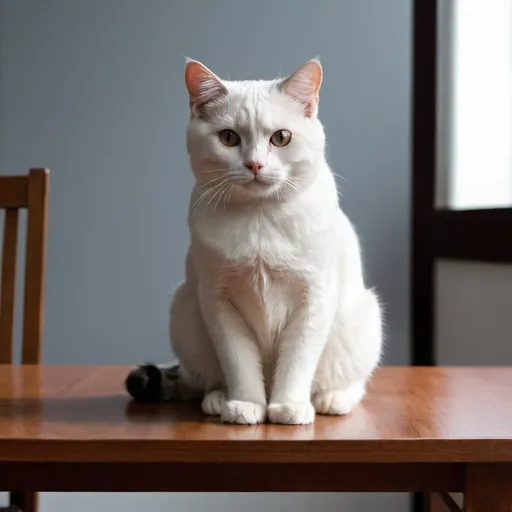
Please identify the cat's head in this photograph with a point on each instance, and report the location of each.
(254, 139)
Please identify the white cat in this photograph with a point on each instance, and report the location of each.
(273, 320)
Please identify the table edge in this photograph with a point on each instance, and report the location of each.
(232, 451)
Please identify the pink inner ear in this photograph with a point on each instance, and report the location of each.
(304, 85)
(203, 85)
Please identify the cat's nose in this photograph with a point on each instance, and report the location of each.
(254, 167)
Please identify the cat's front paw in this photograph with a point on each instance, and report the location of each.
(243, 413)
(213, 402)
(291, 413)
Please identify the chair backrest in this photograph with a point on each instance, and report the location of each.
(17, 192)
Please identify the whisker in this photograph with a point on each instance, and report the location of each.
(289, 183)
(284, 189)
(226, 195)
(217, 188)
(223, 190)
(203, 196)
(213, 180)
(340, 176)
(202, 175)
(198, 201)
(216, 169)
(290, 187)
(218, 194)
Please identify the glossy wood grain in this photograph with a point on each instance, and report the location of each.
(56, 414)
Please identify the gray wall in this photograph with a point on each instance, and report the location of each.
(94, 90)
(473, 322)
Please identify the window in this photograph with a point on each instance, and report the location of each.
(474, 104)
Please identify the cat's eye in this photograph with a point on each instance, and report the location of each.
(281, 138)
(229, 138)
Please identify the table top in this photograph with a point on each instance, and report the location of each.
(83, 414)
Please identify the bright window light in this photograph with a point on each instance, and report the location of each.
(475, 93)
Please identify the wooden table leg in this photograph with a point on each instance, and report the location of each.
(443, 502)
(25, 501)
(489, 488)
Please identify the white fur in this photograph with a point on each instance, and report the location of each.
(273, 319)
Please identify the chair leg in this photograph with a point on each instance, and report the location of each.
(26, 501)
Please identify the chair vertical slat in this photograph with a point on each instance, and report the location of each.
(8, 284)
(33, 309)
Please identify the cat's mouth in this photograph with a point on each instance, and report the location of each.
(259, 188)
(259, 185)
(260, 182)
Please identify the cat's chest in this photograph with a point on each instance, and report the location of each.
(254, 241)
(260, 265)
(255, 277)
(264, 296)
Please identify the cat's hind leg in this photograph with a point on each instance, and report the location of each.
(352, 353)
(339, 401)
(198, 375)
(157, 383)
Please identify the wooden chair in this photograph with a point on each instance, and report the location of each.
(17, 192)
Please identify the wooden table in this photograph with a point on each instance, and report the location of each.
(73, 428)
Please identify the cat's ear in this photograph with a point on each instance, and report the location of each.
(203, 86)
(304, 86)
